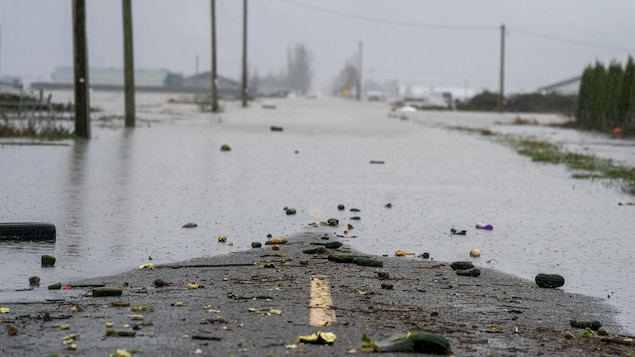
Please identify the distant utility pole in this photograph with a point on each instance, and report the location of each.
(128, 64)
(80, 55)
(214, 81)
(244, 94)
(359, 75)
(501, 97)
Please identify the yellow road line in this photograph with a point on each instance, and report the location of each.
(321, 311)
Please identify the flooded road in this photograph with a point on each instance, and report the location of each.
(122, 197)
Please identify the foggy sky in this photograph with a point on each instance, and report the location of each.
(448, 43)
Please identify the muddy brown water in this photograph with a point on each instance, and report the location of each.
(122, 197)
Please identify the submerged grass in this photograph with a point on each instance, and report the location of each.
(585, 166)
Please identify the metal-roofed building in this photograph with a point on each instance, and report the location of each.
(202, 82)
(114, 77)
(567, 87)
(145, 80)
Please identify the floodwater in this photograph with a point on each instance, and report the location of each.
(122, 197)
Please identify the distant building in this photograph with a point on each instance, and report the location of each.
(145, 80)
(570, 86)
(375, 95)
(434, 96)
(203, 83)
(114, 77)
(8, 83)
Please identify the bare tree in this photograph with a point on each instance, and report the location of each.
(348, 77)
(299, 69)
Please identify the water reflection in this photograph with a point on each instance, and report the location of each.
(26, 247)
(122, 191)
(75, 199)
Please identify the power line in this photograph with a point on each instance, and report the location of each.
(227, 13)
(571, 41)
(389, 22)
(455, 27)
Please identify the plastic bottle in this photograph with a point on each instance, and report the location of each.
(484, 226)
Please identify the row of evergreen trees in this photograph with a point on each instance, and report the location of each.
(606, 99)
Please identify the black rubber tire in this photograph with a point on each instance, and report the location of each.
(27, 231)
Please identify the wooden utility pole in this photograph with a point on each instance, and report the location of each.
(501, 97)
(128, 64)
(359, 75)
(215, 107)
(80, 66)
(244, 93)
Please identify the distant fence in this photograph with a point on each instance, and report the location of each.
(25, 106)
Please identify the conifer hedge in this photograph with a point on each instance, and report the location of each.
(606, 98)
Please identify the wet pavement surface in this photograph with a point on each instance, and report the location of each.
(259, 302)
(122, 197)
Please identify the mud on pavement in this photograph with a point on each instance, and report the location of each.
(258, 302)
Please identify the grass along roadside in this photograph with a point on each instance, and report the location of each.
(583, 166)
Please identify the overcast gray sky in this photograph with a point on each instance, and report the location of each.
(449, 43)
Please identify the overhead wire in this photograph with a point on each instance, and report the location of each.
(570, 40)
(388, 22)
(456, 27)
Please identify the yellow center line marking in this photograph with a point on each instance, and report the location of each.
(320, 303)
